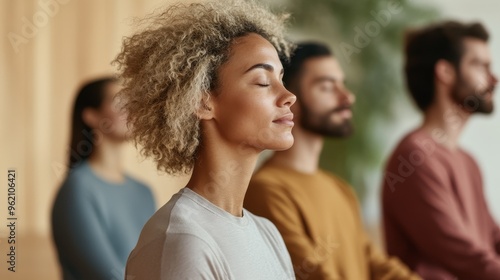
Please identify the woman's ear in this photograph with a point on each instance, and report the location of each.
(206, 109)
(445, 72)
(91, 117)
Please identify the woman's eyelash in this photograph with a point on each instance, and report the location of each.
(263, 85)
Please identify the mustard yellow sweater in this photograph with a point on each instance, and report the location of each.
(319, 219)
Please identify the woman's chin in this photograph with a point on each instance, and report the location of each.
(282, 144)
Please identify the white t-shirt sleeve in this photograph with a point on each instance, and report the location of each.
(187, 256)
(182, 256)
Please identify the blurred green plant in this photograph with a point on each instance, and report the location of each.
(367, 38)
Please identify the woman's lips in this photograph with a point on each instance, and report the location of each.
(285, 120)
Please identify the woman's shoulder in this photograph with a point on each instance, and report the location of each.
(78, 179)
(173, 226)
(138, 183)
(177, 255)
(138, 187)
(174, 217)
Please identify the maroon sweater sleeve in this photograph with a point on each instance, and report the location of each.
(493, 225)
(424, 207)
(496, 234)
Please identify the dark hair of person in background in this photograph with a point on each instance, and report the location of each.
(302, 53)
(427, 46)
(82, 142)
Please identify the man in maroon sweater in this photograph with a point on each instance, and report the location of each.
(435, 215)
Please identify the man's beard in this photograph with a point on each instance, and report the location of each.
(323, 125)
(473, 99)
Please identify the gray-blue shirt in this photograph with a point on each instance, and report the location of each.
(96, 223)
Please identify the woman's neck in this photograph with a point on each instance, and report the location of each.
(221, 174)
(106, 160)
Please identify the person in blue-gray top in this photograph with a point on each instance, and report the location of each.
(99, 210)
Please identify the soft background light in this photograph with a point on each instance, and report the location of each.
(38, 84)
(481, 136)
(77, 41)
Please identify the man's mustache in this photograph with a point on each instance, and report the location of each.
(340, 109)
(490, 89)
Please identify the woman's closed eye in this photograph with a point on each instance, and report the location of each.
(263, 83)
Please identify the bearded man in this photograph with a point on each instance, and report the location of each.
(436, 218)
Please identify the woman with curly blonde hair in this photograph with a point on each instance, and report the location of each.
(203, 93)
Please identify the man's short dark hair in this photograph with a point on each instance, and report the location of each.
(424, 47)
(302, 53)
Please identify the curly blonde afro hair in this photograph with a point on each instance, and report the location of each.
(171, 66)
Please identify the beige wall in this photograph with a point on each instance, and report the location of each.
(40, 72)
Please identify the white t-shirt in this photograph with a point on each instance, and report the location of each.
(191, 238)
